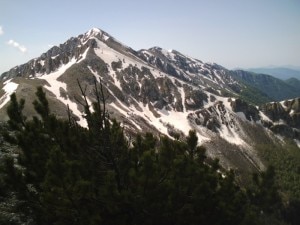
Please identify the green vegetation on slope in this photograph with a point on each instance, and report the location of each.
(274, 88)
(254, 96)
(294, 83)
(286, 162)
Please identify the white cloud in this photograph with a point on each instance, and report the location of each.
(15, 44)
(1, 30)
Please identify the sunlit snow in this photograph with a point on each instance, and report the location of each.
(264, 117)
(56, 85)
(297, 142)
(9, 88)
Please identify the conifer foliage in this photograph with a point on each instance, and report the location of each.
(67, 174)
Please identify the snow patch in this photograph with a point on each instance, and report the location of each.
(264, 117)
(297, 142)
(96, 75)
(109, 55)
(105, 37)
(93, 31)
(9, 88)
(122, 111)
(82, 56)
(56, 86)
(283, 105)
(280, 122)
(177, 119)
(241, 115)
(231, 136)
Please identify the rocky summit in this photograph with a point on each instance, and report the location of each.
(160, 91)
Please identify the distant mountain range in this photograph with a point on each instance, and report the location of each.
(164, 92)
(282, 73)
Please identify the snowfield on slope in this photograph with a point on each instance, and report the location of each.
(56, 86)
(9, 88)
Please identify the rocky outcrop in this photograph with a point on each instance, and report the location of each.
(251, 112)
(51, 60)
(194, 99)
(214, 117)
(275, 111)
(285, 117)
(189, 69)
(57, 56)
(285, 131)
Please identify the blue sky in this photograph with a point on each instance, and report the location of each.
(232, 33)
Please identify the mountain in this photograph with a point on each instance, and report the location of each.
(294, 82)
(164, 92)
(282, 73)
(275, 88)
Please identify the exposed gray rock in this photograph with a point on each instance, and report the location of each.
(250, 111)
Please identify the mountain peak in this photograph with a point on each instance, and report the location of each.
(93, 31)
(96, 32)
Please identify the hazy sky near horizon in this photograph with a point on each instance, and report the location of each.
(232, 33)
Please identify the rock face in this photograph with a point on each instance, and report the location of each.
(250, 111)
(285, 117)
(155, 90)
(49, 61)
(56, 56)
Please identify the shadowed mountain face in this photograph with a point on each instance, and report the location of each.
(160, 91)
(273, 87)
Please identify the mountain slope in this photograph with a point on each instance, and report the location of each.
(164, 92)
(275, 88)
(294, 83)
